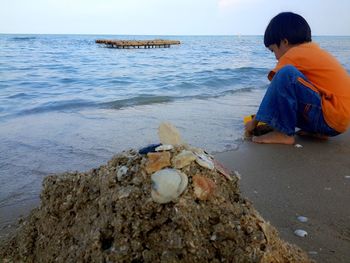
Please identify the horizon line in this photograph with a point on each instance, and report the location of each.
(101, 34)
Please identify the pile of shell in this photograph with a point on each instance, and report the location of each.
(170, 203)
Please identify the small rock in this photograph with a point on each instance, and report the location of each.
(302, 219)
(298, 146)
(122, 172)
(124, 192)
(300, 233)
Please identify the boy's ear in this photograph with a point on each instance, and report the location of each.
(285, 42)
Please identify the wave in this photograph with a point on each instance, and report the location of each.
(154, 99)
(137, 101)
(140, 100)
(23, 38)
(58, 106)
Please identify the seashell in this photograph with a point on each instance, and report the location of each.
(183, 159)
(298, 146)
(302, 219)
(203, 187)
(167, 185)
(149, 148)
(157, 161)
(164, 147)
(204, 161)
(222, 169)
(122, 172)
(300, 233)
(168, 134)
(195, 150)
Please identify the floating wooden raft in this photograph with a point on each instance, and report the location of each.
(137, 43)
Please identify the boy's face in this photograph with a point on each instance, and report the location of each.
(279, 51)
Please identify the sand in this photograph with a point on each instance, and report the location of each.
(108, 215)
(284, 182)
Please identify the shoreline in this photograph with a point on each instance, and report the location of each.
(285, 182)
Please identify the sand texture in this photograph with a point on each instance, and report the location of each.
(285, 182)
(106, 216)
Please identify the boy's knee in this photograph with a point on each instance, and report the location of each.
(289, 70)
(289, 74)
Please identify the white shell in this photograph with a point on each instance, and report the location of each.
(167, 185)
(164, 147)
(298, 146)
(300, 233)
(204, 161)
(302, 219)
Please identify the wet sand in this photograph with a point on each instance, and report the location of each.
(284, 182)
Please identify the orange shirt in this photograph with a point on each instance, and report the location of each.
(328, 77)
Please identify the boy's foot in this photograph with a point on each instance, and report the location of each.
(313, 135)
(274, 137)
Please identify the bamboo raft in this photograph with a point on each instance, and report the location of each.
(157, 43)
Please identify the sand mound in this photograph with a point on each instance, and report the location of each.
(108, 215)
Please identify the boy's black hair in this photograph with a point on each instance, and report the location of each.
(287, 25)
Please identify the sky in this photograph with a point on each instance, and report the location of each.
(167, 17)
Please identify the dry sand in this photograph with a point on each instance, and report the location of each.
(284, 182)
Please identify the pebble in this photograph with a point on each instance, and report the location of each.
(300, 233)
(298, 146)
(302, 219)
(122, 171)
(347, 176)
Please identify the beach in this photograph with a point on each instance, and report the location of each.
(72, 105)
(285, 182)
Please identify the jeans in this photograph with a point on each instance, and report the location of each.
(289, 103)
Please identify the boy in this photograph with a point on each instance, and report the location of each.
(309, 88)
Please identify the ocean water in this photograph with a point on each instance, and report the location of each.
(67, 103)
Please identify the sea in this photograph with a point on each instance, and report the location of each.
(67, 103)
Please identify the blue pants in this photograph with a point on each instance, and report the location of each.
(288, 104)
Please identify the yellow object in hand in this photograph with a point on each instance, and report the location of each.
(250, 117)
